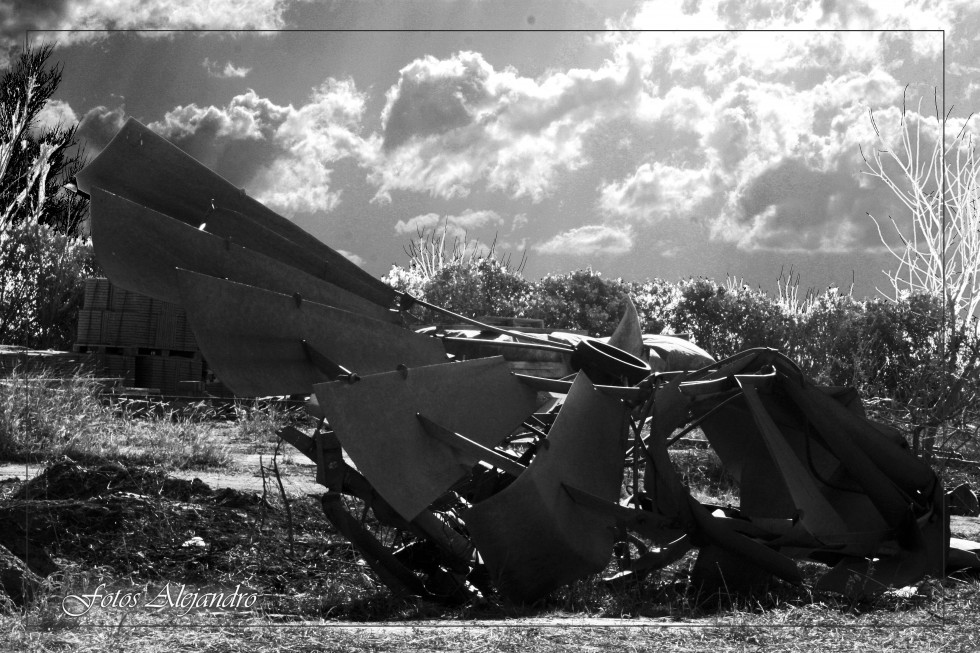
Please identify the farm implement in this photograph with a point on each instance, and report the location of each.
(483, 480)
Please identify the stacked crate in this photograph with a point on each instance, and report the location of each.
(143, 341)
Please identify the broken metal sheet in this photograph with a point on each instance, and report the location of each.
(921, 549)
(628, 335)
(887, 498)
(376, 422)
(234, 227)
(140, 249)
(734, 432)
(254, 339)
(661, 481)
(278, 312)
(532, 535)
(543, 384)
(145, 168)
(673, 500)
(720, 532)
(962, 555)
(661, 556)
(644, 522)
(673, 354)
(818, 515)
(608, 364)
(470, 451)
(787, 471)
(895, 463)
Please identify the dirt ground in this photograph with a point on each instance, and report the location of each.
(245, 475)
(137, 524)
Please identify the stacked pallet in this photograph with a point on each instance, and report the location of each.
(122, 318)
(143, 341)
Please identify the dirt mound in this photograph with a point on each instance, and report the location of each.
(135, 524)
(71, 480)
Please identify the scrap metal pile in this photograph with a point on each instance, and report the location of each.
(483, 480)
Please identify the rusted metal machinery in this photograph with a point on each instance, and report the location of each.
(481, 487)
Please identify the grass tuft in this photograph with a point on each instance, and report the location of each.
(43, 419)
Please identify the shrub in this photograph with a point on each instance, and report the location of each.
(726, 320)
(42, 283)
(824, 339)
(579, 300)
(42, 258)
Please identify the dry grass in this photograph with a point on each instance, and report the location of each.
(43, 419)
(919, 624)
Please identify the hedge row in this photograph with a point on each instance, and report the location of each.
(873, 344)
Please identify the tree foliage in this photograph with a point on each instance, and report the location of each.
(43, 257)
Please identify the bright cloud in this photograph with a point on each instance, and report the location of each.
(54, 114)
(228, 72)
(315, 136)
(452, 124)
(655, 192)
(350, 256)
(285, 154)
(18, 17)
(589, 240)
(98, 126)
(247, 116)
(456, 227)
(761, 131)
(754, 134)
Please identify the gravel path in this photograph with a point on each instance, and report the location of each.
(298, 477)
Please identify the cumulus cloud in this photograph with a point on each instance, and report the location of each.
(314, 137)
(519, 222)
(18, 17)
(246, 116)
(453, 124)
(352, 257)
(656, 192)
(229, 71)
(54, 114)
(285, 154)
(456, 227)
(589, 240)
(758, 135)
(807, 14)
(98, 126)
(791, 163)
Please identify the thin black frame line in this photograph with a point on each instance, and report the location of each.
(466, 30)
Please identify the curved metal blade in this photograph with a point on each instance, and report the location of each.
(254, 338)
(139, 249)
(145, 168)
(532, 535)
(375, 419)
(628, 335)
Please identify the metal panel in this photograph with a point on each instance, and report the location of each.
(139, 249)
(147, 169)
(375, 419)
(532, 535)
(253, 338)
(819, 516)
(628, 335)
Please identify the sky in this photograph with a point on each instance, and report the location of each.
(643, 139)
